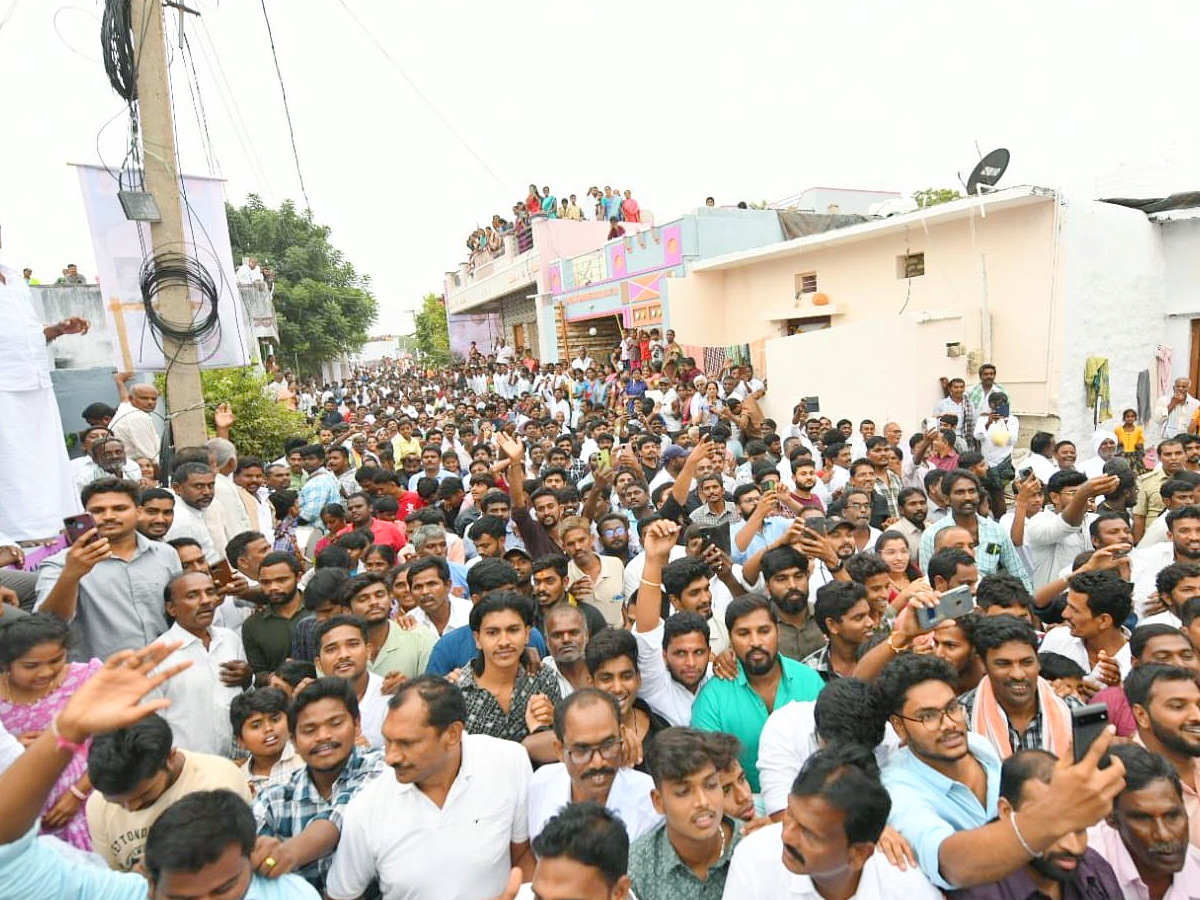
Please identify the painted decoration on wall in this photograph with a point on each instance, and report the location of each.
(644, 287)
(556, 277)
(645, 315)
(672, 244)
(616, 259)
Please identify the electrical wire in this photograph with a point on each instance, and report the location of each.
(116, 44)
(170, 269)
(428, 103)
(286, 109)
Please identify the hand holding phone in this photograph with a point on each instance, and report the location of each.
(952, 604)
(77, 526)
(1087, 724)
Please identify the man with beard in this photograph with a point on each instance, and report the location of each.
(593, 577)
(994, 547)
(429, 582)
(914, 508)
(299, 818)
(785, 571)
(1145, 837)
(538, 535)
(194, 485)
(362, 518)
(394, 651)
(614, 537)
(673, 656)
(844, 615)
(566, 637)
(267, 635)
(1166, 705)
(825, 846)
(687, 585)
(1183, 528)
(156, 512)
(764, 682)
(470, 788)
(1068, 869)
(107, 459)
(549, 580)
(1149, 505)
(588, 740)
(689, 854)
(944, 784)
(1013, 706)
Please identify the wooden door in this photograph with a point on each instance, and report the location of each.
(518, 338)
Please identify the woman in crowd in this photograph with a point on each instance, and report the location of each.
(36, 681)
(379, 558)
(893, 547)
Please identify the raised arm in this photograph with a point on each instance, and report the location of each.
(515, 451)
(683, 484)
(657, 540)
(601, 485)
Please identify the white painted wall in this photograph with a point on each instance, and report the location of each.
(1113, 293)
(1181, 253)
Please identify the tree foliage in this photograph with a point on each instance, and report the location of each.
(323, 306)
(262, 422)
(934, 196)
(433, 334)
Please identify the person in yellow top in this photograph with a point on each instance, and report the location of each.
(1133, 440)
(404, 444)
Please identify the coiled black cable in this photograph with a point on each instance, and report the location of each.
(116, 46)
(171, 269)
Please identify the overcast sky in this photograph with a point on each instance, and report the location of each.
(675, 100)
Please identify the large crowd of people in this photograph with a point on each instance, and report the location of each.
(584, 630)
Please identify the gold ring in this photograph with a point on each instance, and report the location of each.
(270, 861)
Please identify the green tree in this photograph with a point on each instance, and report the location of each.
(433, 334)
(934, 196)
(323, 306)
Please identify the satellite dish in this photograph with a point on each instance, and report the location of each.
(987, 172)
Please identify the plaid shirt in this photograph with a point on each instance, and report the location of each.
(319, 491)
(1032, 738)
(994, 550)
(484, 715)
(286, 808)
(578, 470)
(818, 660)
(889, 488)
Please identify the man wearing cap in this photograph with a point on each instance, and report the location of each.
(673, 459)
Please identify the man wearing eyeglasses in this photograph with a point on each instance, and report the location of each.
(945, 783)
(590, 742)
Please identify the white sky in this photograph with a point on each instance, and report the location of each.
(675, 100)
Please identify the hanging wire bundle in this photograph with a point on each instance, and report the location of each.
(173, 269)
(116, 43)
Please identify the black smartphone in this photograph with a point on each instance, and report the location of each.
(811, 404)
(1024, 474)
(77, 526)
(952, 604)
(1087, 723)
(718, 536)
(819, 526)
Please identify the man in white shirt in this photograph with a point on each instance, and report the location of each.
(825, 847)
(1173, 412)
(1054, 537)
(194, 487)
(582, 852)
(470, 791)
(1098, 603)
(1183, 529)
(343, 650)
(583, 362)
(200, 695)
(107, 459)
(588, 741)
(132, 422)
(250, 273)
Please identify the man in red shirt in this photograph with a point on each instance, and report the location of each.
(358, 511)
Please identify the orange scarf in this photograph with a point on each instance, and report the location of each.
(989, 720)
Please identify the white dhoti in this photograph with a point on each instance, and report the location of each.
(36, 488)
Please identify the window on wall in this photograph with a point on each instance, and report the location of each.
(806, 283)
(809, 323)
(911, 265)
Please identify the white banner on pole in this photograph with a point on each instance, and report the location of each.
(119, 254)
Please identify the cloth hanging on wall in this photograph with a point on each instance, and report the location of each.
(1143, 396)
(1095, 381)
(1163, 356)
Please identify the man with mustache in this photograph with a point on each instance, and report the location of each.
(589, 743)
(687, 583)
(200, 696)
(394, 650)
(469, 790)
(549, 580)
(994, 546)
(1013, 706)
(1068, 869)
(1166, 706)
(343, 651)
(785, 571)
(299, 818)
(825, 846)
(844, 615)
(1145, 837)
(764, 681)
(267, 635)
(944, 783)
(689, 854)
(566, 637)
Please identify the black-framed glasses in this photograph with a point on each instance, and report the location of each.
(932, 718)
(609, 750)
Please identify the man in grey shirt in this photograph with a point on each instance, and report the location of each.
(110, 582)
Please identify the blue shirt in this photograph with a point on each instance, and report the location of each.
(772, 530)
(995, 548)
(456, 649)
(29, 868)
(735, 708)
(928, 807)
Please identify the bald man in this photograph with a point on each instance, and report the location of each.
(133, 423)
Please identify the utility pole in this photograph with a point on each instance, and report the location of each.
(185, 398)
